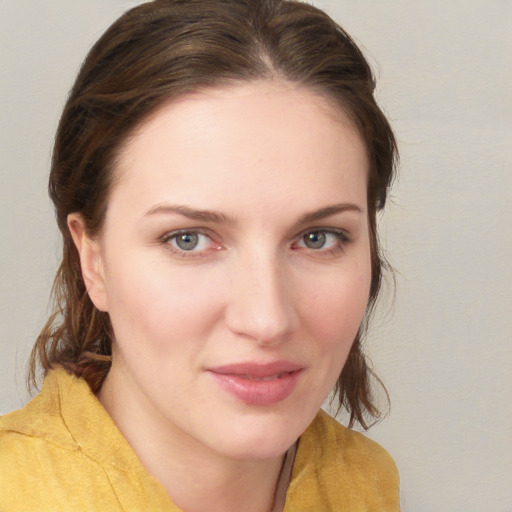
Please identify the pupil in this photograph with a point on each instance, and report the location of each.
(187, 241)
(315, 240)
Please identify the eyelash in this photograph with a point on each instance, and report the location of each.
(342, 240)
(168, 237)
(341, 236)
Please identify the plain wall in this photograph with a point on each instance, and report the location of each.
(445, 351)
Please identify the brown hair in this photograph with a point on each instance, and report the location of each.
(158, 51)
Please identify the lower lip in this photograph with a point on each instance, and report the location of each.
(258, 392)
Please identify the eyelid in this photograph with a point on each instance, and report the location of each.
(342, 233)
(343, 236)
(170, 235)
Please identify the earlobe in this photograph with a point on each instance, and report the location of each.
(91, 261)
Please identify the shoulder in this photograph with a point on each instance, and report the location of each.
(339, 445)
(41, 418)
(30, 442)
(42, 462)
(339, 469)
(63, 448)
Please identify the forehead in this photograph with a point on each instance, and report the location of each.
(259, 137)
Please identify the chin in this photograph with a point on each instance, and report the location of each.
(260, 438)
(270, 449)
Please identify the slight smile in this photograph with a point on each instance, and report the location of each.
(258, 384)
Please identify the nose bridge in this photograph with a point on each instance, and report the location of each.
(261, 304)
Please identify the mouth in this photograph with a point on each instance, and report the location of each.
(258, 371)
(263, 379)
(258, 384)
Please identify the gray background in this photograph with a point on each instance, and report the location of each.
(445, 351)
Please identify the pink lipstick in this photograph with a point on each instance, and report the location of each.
(258, 384)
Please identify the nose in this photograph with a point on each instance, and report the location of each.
(261, 305)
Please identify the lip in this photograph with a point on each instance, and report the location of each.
(256, 383)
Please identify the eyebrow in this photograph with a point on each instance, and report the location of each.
(221, 218)
(328, 211)
(191, 213)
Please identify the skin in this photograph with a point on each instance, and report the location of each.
(264, 157)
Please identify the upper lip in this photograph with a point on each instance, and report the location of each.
(257, 370)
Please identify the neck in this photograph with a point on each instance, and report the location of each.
(198, 481)
(196, 477)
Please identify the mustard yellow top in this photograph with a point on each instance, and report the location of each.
(63, 453)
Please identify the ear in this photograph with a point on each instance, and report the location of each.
(91, 261)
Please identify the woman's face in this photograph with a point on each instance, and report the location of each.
(235, 266)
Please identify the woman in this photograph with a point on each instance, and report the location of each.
(216, 176)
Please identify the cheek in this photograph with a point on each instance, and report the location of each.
(154, 310)
(334, 314)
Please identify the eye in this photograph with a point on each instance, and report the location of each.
(186, 241)
(189, 241)
(315, 239)
(323, 240)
